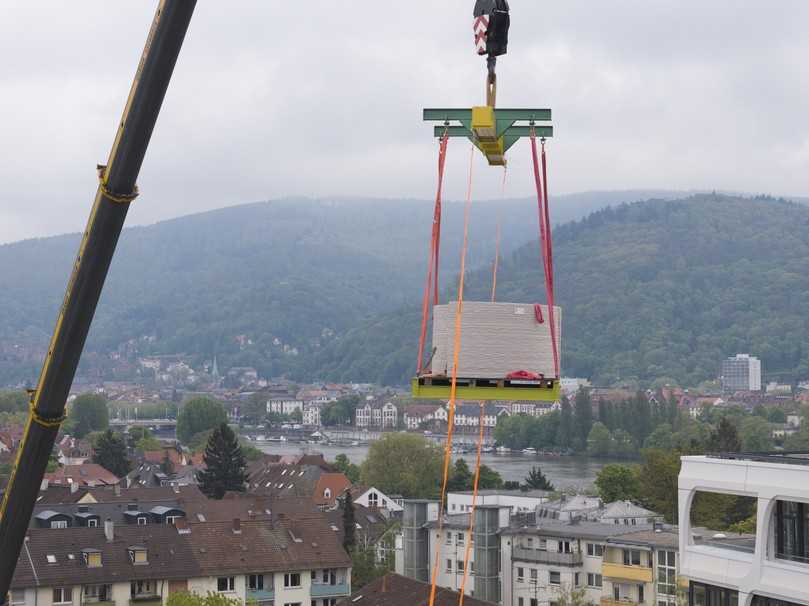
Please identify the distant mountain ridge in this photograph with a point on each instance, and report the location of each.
(292, 271)
(330, 289)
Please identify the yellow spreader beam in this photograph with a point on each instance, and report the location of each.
(492, 130)
(431, 388)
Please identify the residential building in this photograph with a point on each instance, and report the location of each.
(288, 560)
(741, 372)
(469, 415)
(376, 414)
(310, 477)
(284, 406)
(375, 499)
(517, 500)
(770, 568)
(87, 474)
(415, 415)
(311, 414)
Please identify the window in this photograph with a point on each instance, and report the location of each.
(594, 580)
(641, 599)
(555, 578)
(97, 593)
(449, 565)
(576, 580)
(17, 596)
(141, 521)
(138, 556)
(327, 493)
(529, 542)
(631, 557)
(520, 602)
(172, 519)
(92, 559)
(533, 602)
(449, 538)
(59, 524)
(255, 582)
(520, 574)
(792, 531)
(543, 545)
(564, 546)
(373, 500)
(459, 566)
(92, 523)
(595, 550)
(226, 584)
(533, 575)
(666, 573)
(459, 538)
(292, 579)
(62, 595)
(142, 588)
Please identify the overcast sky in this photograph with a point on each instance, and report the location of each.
(322, 98)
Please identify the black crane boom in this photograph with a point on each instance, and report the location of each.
(115, 192)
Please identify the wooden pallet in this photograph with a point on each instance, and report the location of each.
(438, 388)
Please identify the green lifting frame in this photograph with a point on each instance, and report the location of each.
(492, 130)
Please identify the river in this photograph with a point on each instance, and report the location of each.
(577, 472)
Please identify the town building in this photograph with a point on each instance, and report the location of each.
(517, 500)
(87, 474)
(311, 414)
(770, 568)
(309, 476)
(417, 416)
(377, 414)
(290, 559)
(284, 405)
(375, 499)
(741, 372)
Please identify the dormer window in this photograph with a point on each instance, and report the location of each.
(92, 558)
(142, 520)
(327, 493)
(138, 555)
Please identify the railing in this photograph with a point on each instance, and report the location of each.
(614, 602)
(630, 573)
(261, 594)
(546, 557)
(324, 589)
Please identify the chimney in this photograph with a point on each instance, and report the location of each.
(385, 584)
(237, 526)
(117, 489)
(109, 530)
(74, 487)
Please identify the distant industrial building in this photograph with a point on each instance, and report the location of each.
(741, 372)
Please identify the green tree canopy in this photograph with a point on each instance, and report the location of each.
(406, 464)
(618, 483)
(87, 413)
(109, 451)
(225, 467)
(657, 480)
(755, 435)
(599, 441)
(349, 469)
(662, 437)
(536, 480)
(13, 401)
(583, 416)
(725, 437)
(185, 598)
(198, 415)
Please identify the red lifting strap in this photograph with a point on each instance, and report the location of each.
(538, 313)
(432, 262)
(545, 238)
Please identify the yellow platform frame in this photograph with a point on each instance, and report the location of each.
(426, 388)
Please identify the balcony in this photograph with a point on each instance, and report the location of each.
(546, 557)
(614, 602)
(260, 595)
(320, 590)
(627, 573)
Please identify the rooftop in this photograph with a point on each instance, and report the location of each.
(786, 457)
(395, 590)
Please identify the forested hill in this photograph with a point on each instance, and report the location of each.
(648, 290)
(289, 275)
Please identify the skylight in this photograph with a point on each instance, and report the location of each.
(51, 559)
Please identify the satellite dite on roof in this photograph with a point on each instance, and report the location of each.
(506, 353)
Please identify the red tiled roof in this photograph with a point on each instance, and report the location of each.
(88, 474)
(336, 483)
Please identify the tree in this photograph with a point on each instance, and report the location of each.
(349, 523)
(599, 440)
(364, 567)
(755, 435)
(566, 425)
(489, 479)
(724, 438)
(349, 469)
(460, 478)
(536, 480)
(135, 435)
(405, 464)
(254, 410)
(88, 413)
(167, 466)
(110, 452)
(657, 480)
(341, 412)
(622, 444)
(198, 415)
(13, 401)
(225, 464)
(186, 598)
(583, 417)
(798, 440)
(617, 483)
(661, 437)
(296, 416)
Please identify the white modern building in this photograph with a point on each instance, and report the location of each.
(741, 372)
(770, 568)
(517, 501)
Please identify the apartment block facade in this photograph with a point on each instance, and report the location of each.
(768, 568)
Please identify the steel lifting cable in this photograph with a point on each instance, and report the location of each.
(435, 245)
(468, 548)
(454, 383)
(546, 243)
